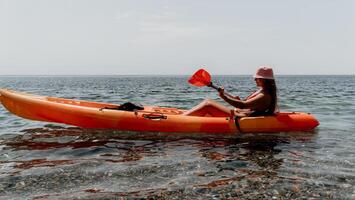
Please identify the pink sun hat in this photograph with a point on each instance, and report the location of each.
(264, 72)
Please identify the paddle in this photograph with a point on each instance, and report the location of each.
(202, 78)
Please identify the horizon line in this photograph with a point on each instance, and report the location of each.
(3, 75)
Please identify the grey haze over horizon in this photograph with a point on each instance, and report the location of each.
(157, 37)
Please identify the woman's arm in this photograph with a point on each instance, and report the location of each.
(259, 102)
(231, 97)
(221, 90)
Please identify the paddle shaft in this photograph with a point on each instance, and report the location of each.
(213, 86)
(218, 88)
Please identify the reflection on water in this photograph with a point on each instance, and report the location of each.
(61, 162)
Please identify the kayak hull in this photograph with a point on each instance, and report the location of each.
(88, 114)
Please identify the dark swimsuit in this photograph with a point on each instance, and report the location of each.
(255, 113)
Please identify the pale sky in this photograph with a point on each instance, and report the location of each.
(176, 37)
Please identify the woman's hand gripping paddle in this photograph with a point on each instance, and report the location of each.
(202, 78)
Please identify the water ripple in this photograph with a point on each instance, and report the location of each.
(50, 161)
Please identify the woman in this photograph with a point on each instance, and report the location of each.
(260, 103)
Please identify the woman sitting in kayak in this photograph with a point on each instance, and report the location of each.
(260, 103)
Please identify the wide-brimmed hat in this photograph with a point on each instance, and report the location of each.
(264, 72)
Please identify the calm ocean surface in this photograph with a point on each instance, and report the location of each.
(54, 161)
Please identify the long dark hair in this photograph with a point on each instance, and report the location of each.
(270, 88)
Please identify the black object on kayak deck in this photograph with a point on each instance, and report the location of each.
(128, 106)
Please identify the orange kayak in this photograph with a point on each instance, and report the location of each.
(88, 114)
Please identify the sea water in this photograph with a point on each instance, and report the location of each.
(55, 161)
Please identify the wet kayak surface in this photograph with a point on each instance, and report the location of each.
(52, 161)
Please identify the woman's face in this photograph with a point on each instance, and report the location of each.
(259, 82)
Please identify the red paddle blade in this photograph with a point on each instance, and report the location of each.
(200, 78)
